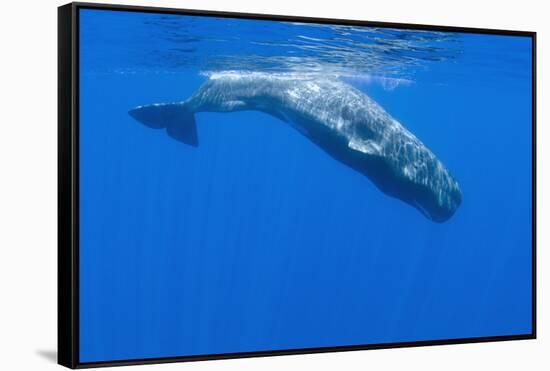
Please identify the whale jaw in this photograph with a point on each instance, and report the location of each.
(434, 192)
(439, 212)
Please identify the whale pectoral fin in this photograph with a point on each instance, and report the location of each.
(178, 121)
(234, 105)
(368, 147)
(185, 132)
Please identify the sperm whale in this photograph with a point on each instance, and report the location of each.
(343, 121)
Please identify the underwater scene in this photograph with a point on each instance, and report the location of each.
(257, 185)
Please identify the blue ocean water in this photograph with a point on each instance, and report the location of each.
(257, 239)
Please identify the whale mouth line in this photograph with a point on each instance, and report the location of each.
(423, 210)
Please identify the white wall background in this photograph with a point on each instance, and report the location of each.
(28, 181)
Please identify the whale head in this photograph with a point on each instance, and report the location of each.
(401, 166)
(438, 204)
(432, 189)
(421, 180)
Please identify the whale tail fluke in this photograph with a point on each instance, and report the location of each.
(178, 121)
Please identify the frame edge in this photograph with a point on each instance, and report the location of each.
(302, 19)
(68, 279)
(67, 326)
(534, 187)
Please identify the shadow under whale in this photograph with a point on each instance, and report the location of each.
(346, 123)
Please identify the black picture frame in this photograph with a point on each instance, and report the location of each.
(68, 183)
